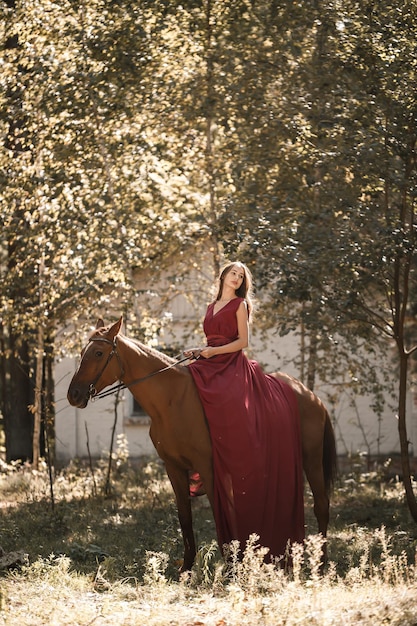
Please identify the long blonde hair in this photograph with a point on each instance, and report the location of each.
(246, 288)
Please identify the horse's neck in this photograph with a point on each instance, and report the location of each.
(141, 365)
(138, 359)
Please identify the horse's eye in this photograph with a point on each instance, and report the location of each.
(99, 353)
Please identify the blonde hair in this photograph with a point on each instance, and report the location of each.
(246, 288)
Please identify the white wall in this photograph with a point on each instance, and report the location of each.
(97, 418)
(358, 429)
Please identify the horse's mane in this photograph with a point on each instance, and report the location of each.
(152, 352)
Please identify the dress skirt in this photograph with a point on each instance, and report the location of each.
(255, 432)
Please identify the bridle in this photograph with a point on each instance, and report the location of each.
(92, 391)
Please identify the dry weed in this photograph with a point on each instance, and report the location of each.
(116, 562)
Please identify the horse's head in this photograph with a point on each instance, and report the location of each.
(97, 368)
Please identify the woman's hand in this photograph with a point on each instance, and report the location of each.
(195, 353)
(192, 353)
(208, 352)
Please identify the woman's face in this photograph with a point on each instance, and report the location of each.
(234, 277)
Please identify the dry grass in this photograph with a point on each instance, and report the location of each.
(102, 561)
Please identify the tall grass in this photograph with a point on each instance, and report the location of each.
(114, 560)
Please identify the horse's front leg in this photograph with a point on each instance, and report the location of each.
(180, 483)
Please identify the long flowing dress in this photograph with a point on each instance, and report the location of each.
(255, 431)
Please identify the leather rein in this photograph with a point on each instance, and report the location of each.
(93, 395)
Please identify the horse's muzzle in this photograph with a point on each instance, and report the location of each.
(78, 397)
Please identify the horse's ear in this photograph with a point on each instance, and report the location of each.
(114, 330)
(99, 324)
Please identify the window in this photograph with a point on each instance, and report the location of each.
(136, 415)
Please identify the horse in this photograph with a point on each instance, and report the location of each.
(179, 431)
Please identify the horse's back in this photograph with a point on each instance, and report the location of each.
(301, 391)
(313, 413)
(317, 435)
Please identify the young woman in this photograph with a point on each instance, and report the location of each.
(254, 427)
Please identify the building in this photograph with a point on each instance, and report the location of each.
(360, 433)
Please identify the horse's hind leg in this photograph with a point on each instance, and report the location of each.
(180, 483)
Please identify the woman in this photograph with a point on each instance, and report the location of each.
(254, 427)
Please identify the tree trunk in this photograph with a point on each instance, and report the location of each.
(404, 442)
(16, 392)
(16, 399)
(209, 151)
(37, 407)
(403, 267)
(312, 360)
(49, 399)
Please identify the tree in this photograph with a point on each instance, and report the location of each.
(75, 214)
(384, 64)
(343, 233)
(138, 134)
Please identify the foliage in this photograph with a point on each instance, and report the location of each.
(68, 204)
(164, 135)
(328, 228)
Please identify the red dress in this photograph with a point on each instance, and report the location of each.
(255, 432)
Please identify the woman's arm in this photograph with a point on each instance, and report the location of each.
(238, 344)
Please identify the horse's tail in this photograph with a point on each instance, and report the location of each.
(329, 455)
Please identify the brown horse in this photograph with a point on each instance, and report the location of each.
(179, 431)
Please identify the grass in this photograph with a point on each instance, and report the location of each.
(114, 560)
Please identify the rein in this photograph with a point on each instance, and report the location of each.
(107, 392)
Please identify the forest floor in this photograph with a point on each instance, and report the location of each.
(85, 558)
